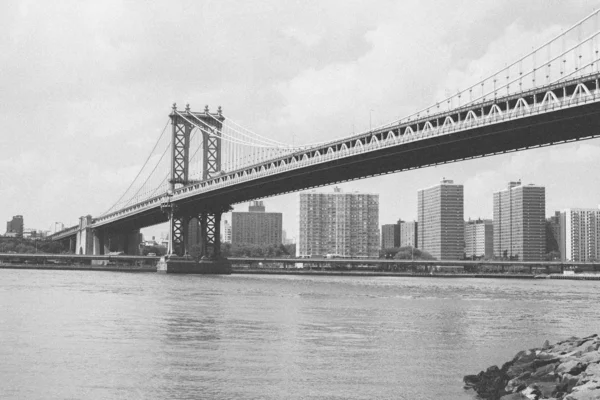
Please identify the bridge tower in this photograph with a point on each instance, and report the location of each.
(208, 217)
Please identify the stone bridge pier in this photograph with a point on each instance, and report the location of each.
(100, 241)
(126, 241)
(194, 230)
(194, 224)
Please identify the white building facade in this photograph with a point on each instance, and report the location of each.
(580, 234)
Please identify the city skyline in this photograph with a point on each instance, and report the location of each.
(344, 88)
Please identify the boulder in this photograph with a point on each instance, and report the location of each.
(572, 367)
(544, 370)
(488, 384)
(592, 370)
(531, 392)
(591, 357)
(514, 396)
(567, 370)
(593, 394)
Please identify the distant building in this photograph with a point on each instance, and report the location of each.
(256, 226)
(519, 222)
(479, 238)
(344, 224)
(390, 235)
(580, 234)
(287, 240)
(409, 234)
(14, 227)
(226, 232)
(553, 233)
(57, 227)
(441, 220)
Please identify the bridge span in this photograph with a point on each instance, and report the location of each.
(546, 98)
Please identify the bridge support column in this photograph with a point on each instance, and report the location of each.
(98, 242)
(182, 222)
(210, 260)
(84, 237)
(126, 242)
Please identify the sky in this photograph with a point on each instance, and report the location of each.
(86, 88)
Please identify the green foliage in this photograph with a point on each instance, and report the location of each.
(258, 251)
(158, 250)
(553, 256)
(406, 253)
(28, 246)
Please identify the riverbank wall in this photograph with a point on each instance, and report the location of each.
(316, 272)
(83, 267)
(263, 271)
(567, 370)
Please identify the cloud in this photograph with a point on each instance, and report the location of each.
(87, 86)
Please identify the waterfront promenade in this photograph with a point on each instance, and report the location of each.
(320, 267)
(124, 267)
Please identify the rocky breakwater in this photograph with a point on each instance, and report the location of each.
(567, 370)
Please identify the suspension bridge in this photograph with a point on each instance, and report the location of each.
(203, 162)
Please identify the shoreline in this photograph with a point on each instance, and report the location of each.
(300, 272)
(247, 271)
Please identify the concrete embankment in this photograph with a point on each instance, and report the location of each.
(257, 271)
(567, 370)
(574, 277)
(83, 267)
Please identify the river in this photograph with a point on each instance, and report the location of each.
(110, 335)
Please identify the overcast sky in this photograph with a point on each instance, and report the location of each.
(86, 88)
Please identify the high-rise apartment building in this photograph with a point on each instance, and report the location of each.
(519, 222)
(14, 227)
(479, 238)
(226, 232)
(390, 235)
(409, 234)
(344, 224)
(256, 226)
(553, 233)
(441, 220)
(580, 234)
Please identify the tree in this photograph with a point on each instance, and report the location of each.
(410, 253)
(552, 256)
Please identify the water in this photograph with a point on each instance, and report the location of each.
(103, 335)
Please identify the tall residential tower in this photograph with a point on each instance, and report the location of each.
(441, 220)
(343, 224)
(579, 238)
(519, 222)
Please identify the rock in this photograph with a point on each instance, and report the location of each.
(567, 370)
(567, 383)
(489, 384)
(584, 395)
(545, 371)
(592, 370)
(572, 367)
(531, 392)
(519, 368)
(591, 357)
(547, 389)
(513, 396)
(470, 381)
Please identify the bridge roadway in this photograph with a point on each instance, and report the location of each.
(560, 113)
